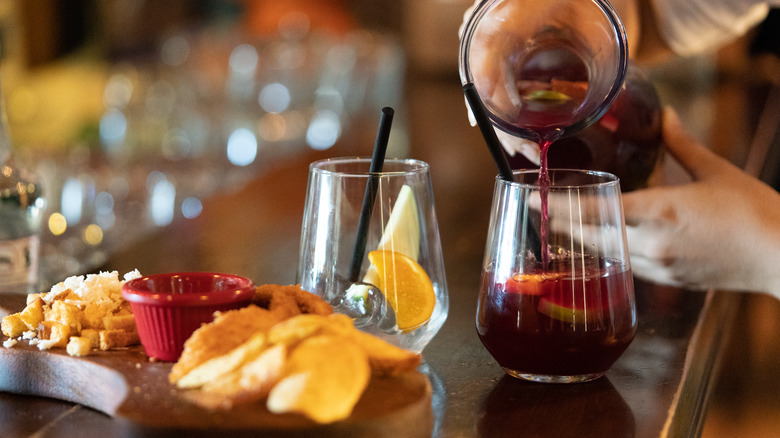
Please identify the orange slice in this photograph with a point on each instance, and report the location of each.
(406, 287)
(530, 284)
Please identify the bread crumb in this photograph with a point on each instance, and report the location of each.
(79, 346)
(44, 344)
(78, 307)
(13, 326)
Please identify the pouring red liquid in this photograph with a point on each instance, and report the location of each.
(625, 141)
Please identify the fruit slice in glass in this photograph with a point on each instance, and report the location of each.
(406, 287)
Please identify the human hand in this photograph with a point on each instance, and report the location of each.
(721, 230)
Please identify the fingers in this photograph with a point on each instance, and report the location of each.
(650, 270)
(695, 158)
(516, 145)
(643, 205)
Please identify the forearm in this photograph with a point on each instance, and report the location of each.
(767, 254)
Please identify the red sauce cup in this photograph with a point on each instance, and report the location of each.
(169, 307)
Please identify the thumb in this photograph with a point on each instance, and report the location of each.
(694, 157)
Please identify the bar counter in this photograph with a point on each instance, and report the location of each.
(659, 388)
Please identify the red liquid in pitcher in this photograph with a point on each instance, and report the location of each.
(552, 83)
(558, 323)
(626, 141)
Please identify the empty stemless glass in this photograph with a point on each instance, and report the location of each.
(397, 288)
(569, 315)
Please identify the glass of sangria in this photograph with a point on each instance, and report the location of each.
(563, 311)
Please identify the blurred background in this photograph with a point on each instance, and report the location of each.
(134, 112)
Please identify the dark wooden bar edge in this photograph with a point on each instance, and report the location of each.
(702, 364)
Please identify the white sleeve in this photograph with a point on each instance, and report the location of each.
(696, 26)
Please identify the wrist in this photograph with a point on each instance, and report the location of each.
(768, 258)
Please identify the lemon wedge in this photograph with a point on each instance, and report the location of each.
(401, 235)
(406, 286)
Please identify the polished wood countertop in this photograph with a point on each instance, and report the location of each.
(659, 388)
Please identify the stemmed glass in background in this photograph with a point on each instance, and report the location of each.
(564, 312)
(397, 288)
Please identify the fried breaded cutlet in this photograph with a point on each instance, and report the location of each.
(288, 301)
(272, 303)
(226, 332)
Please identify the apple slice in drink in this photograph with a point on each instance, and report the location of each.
(575, 308)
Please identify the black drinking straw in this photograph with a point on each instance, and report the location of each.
(377, 161)
(497, 151)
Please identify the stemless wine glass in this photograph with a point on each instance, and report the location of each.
(564, 312)
(544, 66)
(389, 277)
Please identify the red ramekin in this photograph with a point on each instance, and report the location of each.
(169, 307)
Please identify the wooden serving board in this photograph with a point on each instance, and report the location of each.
(135, 391)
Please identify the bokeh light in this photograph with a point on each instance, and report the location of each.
(72, 200)
(175, 51)
(113, 126)
(274, 98)
(93, 235)
(57, 224)
(244, 59)
(242, 147)
(162, 201)
(324, 130)
(191, 207)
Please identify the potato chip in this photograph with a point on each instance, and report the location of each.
(216, 367)
(252, 382)
(323, 380)
(227, 331)
(293, 330)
